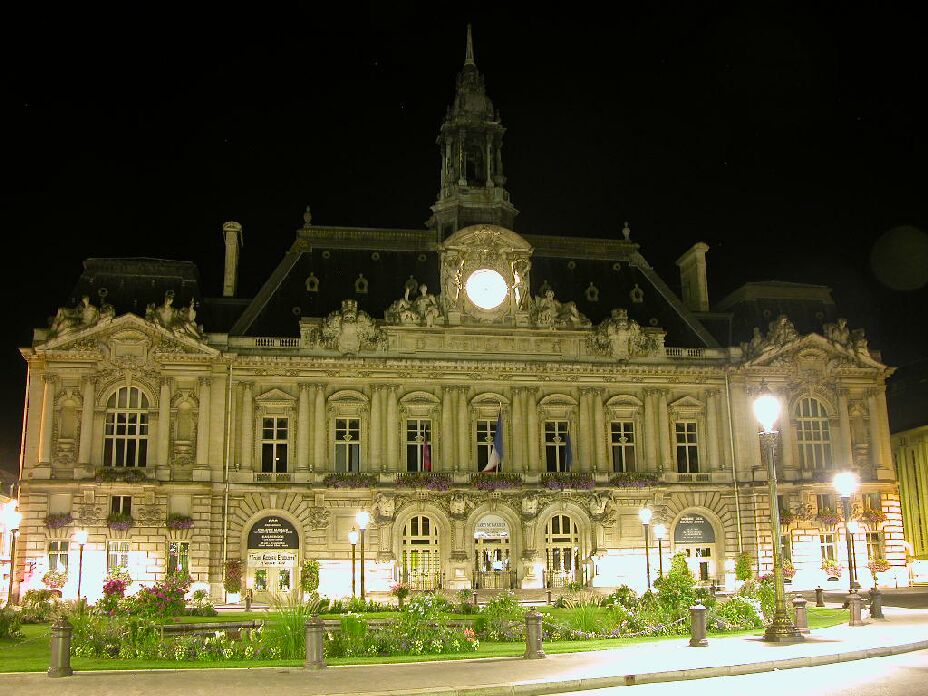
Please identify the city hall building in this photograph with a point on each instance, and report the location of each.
(502, 404)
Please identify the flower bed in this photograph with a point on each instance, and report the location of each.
(345, 480)
(57, 520)
(561, 480)
(496, 482)
(424, 479)
(634, 479)
(178, 521)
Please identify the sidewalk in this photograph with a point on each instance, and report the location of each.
(903, 630)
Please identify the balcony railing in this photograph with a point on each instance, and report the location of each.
(685, 352)
(270, 342)
(495, 580)
(269, 477)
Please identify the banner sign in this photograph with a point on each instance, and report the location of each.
(273, 533)
(491, 526)
(273, 559)
(693, 529)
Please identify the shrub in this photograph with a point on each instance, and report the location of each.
(9, 624)
(232, 581)
(285, 630)
(585, 615)
(165, 598)
(623, 596)
(401, 591)
(744, 566)
(309, 576)
(501, 618)
(202, 606)
(738, 613)
(114, 591)
(38, 606)
(676, 591)
(762, 591)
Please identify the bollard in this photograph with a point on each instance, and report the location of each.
(248, 600)
(60, 660)
(876, 604)
(698, 621)
(475, 597)
(533, 647)
(549, 596)
(801, 614)
(315, 633)
(854, 602)
(819, 597)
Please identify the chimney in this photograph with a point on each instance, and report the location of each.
(693, 278)
(232, 231)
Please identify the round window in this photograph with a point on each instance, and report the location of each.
(486, 288)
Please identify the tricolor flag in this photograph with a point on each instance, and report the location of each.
(569, 458)
(426, 456)
(497, 451)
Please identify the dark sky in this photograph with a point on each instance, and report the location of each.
(787, 137)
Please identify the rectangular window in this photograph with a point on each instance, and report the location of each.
(283, 580)
(873, 501)
(418, 445)
(58, 556)
(121, 504)
(556, 446)
(826, 501)
(874, 545)
(623, 447)
(687, 447)
(117, 554)
(261, 579)
(179, 557)
(486, 432)
(348, 445)
(274, 439)
(827, 542)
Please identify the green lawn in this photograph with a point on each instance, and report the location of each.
(31, 653)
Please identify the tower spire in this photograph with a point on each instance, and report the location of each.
(469, 51)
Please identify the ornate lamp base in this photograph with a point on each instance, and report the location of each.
(782, 630)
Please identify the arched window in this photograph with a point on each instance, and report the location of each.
(562, 551)
(813, 434)
(421, 567)
(125, 441)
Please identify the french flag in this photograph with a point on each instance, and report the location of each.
(496, 454)
(426, 456)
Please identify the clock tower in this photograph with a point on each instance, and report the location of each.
(471, 142)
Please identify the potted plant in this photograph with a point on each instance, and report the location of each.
(232, 581)
(401, 591)
(832, 568)
(878, 565)
(309, 578)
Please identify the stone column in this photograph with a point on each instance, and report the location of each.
(376, 438)
(448, 452)
(886, 452)
(463, 429)
(514, 455)
(203, 423)
(534, 436)
(583, 439)
(320, 460)
(247, 455)
(875, 430)
(164, 423)
(652, 449)
(48, 416)
(845, 444)
(787, 434)
(85, 448)
(663, 430)
(601, 462)
(302, 429)
(390, 457)
(712, 426)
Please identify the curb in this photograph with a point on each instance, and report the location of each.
(556, 687)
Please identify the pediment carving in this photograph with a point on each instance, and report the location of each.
(350, 330)
(782, 346)
(622, 338)
(275, 397)
(124, 336)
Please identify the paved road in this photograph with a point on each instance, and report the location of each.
(906, 598)
(883, 676)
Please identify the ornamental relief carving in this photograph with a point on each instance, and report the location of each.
(622, 338)
(318, 518)
(89, 515)
(150, 515)
(350, 330)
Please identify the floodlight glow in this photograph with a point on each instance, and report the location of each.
(845, 483)
(645, 514)
(767, 411)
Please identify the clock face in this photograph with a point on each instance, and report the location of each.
(486, 288)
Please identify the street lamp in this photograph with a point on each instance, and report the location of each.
(767, 412)
(353, 540)
(846, 483)
(645, 514)
(11, 519)
(362, 518)
(660, 531)
(80, 536)
(853, 527)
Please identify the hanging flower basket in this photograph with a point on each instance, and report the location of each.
(345, 480)
(57, 520)
(879, 565)
(788, 517)
(55, 579)
(232, 581)
(177, 521)
(832, 568)
(120, 521)
(424, 479)
(634, 479)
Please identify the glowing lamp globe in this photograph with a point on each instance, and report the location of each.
(486, 288)
(767, 411)
(80, 536)
(353, 537)
(660, 530)
(845, 483)
(645, 515)
(363, 518)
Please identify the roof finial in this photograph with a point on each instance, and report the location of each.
(469, 52)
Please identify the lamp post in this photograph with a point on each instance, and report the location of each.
(853, 527)
(362, 518)
(80, 536)
(767, 412)
(11, 519)
(846, 483)
(645, 514)
(353, 540)
(660, 531)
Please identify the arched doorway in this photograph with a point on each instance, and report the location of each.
(493, 554)
(562, 552)
(273, 550)
(421, 554)
(694, 536)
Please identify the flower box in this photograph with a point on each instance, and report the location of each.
(57, 520)
(120, 521)
(110, 474)
(872, 517)
(634, 479)
(345, 480)
(424, 479)
(828, 517)
(496, 482)
(177, 521)
(560, 480)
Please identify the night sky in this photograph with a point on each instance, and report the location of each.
(785, 137)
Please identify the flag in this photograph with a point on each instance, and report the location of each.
(569, 459)
(426, 456)
(497, 451)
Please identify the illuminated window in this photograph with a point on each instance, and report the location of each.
(58, 556)
(623, 447)
(486, 432)
(348, 444)
(117, 554)
(121, 504)
(418, 444)
(874, 545)
(556, 455)
(828, 546)
(813, 434)
(274, 443)
(125, 441)
(179, 557)
(687, 447)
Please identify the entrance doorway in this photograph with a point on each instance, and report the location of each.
(694, 536)
(273, 552)
(492, 555)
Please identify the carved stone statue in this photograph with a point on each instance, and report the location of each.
(520, 269)
(427, 306)
(179, 321)
(350, 330)
(384, 508)
(838, 333)
(545, 309)
(68, 320)
(859, 342)
(425, 310)
(779, 332)
(622, 338)
(548, 312)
